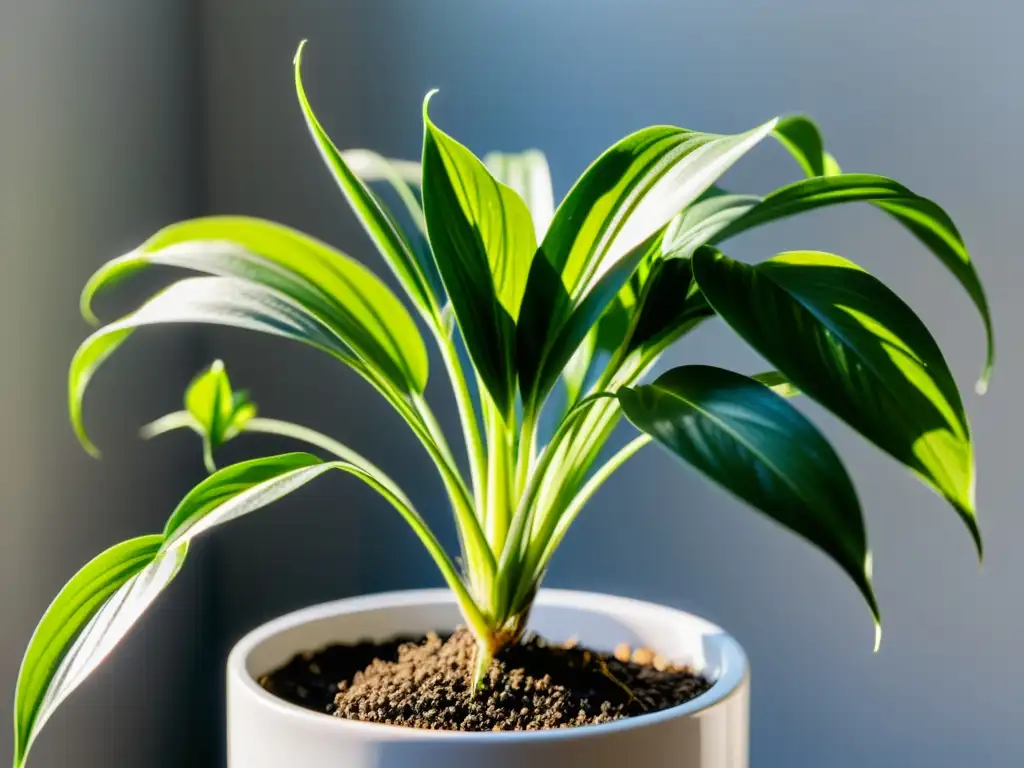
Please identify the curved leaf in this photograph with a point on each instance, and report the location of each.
(623, 200)
(801, 137)
(848, 342)
(357, 305)
(670, 305)
(529, 175)
(215, 300)
(722, 216)
(753, 443)
(92, 613)
(483, 240)
(412, 272)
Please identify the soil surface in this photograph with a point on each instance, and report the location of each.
(424, 683)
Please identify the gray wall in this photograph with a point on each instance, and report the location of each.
(96, 132)
(923, 90)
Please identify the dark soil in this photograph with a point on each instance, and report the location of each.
(424, 683)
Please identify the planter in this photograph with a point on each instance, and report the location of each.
(711, 731)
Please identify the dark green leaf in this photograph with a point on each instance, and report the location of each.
(754, 444)
(723, 215)
(622, 201)
(847, 341)
(92, 613)
(669, 306)
(483, 240)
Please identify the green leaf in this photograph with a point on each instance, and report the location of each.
(847, 341)
(355, 303)
(483, 241)
(214, 300)
(248, 486)
(753, 443)
(529, 175)
(412, 272)
(777, 383)
(623, 200)
(801, 137)
(670, 305)
(92, 613)
(723, 215)
(218, 413)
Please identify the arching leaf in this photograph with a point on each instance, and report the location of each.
(847, 341)
(342, 292)
(92, 613)
(622, 201)
(412, 272)
(756, 445)
(213, 300)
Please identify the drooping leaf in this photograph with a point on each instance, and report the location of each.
(529, 175)
(345, 295)
(213, 300)
(623, 200)
(483, 240)
(413, 271)
(92, 613)
(722, 216)
(756, 445)
(801, 137)
(847, 341)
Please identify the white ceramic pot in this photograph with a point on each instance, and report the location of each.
(710, 731)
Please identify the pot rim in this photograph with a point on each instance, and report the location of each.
(734, 664)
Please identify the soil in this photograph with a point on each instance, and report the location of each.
(424, 683)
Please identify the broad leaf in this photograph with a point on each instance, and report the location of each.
(413, 272)
(722, 216)
(622, 201)
(214, 300)
(529, 175)
(345, 295)
(483, 241)
(92, 613)
(847, 341)
(754, 444)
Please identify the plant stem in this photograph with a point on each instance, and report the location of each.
(499, 477)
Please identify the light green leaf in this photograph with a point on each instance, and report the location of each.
(214, 300)
(248, 486)
(777, 383)
(529, 175)
(345, 295)
(413, 272)
(483, 241)
(92, 613)
(753, 443)
(847, 341)
(623, 200)
(218, 413)
(801, 137)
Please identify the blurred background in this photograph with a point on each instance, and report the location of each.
(120, 116)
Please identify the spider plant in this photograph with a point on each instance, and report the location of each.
(546, 321)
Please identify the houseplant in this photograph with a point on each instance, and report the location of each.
(582, 300)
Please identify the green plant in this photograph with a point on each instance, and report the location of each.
(519, 297)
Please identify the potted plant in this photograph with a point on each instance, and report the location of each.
(534, 311)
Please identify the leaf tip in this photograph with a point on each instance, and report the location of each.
(426, 104)
(981, 386)
(297, 59)
(878, 636)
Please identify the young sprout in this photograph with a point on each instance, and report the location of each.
(560, 312)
